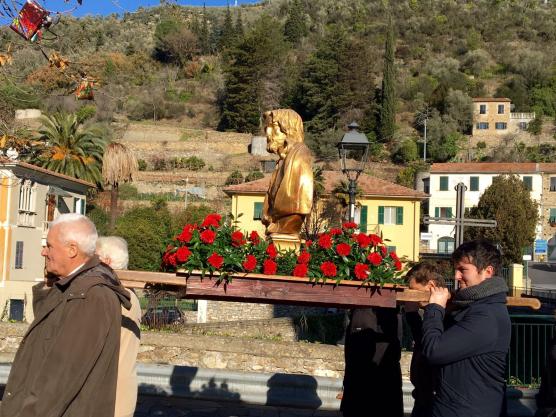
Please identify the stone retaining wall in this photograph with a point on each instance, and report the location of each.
(218, 352)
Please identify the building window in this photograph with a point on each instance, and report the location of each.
(474, 184)
(445, 245)
(552, 183)
(500, 109)
(552, 218)
(390, 215)
(482, 125)
(522, 125)
(501, 125)
(19, 255)
(17, 310)
(528, 182)
(79, 205)
(257, 211)
(483, 109)
(27, 204)
(443, 212)
(443, 183)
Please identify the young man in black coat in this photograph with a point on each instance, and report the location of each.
(471, 348)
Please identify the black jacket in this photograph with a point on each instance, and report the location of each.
(471, 353)
(421, 374)
(373, 379)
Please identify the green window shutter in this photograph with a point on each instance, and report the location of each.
(380, 214)
(437, 212)
(449, 212)
(363, 219)
(257, 211)
(552, 215)
(528, 182)
(443, 183)
(399, 215)
(474, 184)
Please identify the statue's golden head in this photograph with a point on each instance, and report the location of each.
(283, 122)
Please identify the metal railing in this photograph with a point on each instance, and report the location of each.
(522, 115)
(531, 337)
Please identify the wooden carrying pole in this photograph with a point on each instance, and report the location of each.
(275, 289)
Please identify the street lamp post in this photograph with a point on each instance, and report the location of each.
(354, 152)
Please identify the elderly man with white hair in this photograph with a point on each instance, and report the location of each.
(112, 250)
(67, 362)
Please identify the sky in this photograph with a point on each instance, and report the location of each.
(104, 7)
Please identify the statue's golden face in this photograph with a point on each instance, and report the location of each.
(275, 138)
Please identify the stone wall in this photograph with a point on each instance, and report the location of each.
(218, 352)
(221, 311)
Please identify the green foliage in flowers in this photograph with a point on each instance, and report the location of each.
(338, 254)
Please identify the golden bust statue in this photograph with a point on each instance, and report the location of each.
(290, 194)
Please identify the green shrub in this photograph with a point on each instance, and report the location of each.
(254, 175)
(128, 192)
(100, 218)
(234, 178)
(86, 112)
(481, 145)
(193, 163)
(142, 165)
(159, 163)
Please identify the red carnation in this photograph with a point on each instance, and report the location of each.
(361, 271)
(349, 225)
(271, 251)
(237, 238)
(308, 243)
(384, 250)
(300, 270)
(186, 234)
(254, 237)
(304, 257)
(212, 220)
(215, 260)
(182, 254)
(269, 267)
(343, 249)
(374, 258)
(328, 269)
(172, 259)
(335, 232)
(394, 256)
(375, 240)
(208, 236)
(250, 263)
(363, 240)
(325, 241)
(398, 265)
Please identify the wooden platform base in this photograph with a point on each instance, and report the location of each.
(278, 289)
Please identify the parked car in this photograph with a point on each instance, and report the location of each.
(162, 316)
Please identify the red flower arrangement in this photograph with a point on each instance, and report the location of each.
(340, 254)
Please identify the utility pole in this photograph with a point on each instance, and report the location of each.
(425, 144)
(186, 184)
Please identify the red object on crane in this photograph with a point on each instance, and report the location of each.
(30, 20)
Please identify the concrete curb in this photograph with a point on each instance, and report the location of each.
(285, 390)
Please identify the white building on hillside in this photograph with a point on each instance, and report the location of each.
(477, 177)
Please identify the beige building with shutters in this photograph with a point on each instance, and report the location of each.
(30, 198)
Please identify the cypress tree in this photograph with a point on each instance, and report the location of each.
(295, 27)
(388, 102)
(239, 31)
(204, 36)
(227, 33)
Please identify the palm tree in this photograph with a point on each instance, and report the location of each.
(71, 149)
(118, 166)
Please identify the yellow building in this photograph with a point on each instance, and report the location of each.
(383, 207)
(30, 198)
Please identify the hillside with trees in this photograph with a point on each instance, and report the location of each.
(387, 65)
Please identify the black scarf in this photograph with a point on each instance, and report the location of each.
(488, 287)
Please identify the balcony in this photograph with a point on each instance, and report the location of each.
(26, 218)
(45, 229)
(524, 116)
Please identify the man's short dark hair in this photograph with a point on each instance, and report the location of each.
(424, 272)
(479, 253)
